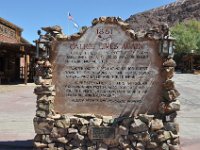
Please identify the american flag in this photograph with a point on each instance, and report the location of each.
(70, 17)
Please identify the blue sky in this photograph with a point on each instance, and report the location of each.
(31, 15)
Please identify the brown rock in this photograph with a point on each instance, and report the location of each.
(124, 25)
(62, 140)
(61, 37)
(91, 148)
(169, 85)
(127, 122)
(112, 142)
(160, 138)
(169, 72)
(75, 36)
(47, 149)
(95, 122)
(164, 146)
(47, 77)
(175, 141)
(74, 120)
(40, 62)
(83, 130)
(131, 33)
(102, 146)
(142, 137)
(60, 148)
(72, 130)
(171, 117)
(152, 145)
(85, 116)
(58, 132)
(45, 98)
(38, 138)
(52, 28)
(174, 136)
(123, 130)
(102, 19)
(138, 126)
(140, 146)
(38, 80)
(174, 106)
(167, 135)
(146, 118)
(83, 29)
(47, 64)
(95, 21)
(171, 126)
(79, 137)
(174, 147)
(51, 146)
(163, 136)
(83, 121)
(46, 106)
(56, 116)
(171, 95)
(114, 148)
(165, 108)
(41, 113)
(124, 143)
(107, 119)
(68, 147)
(76, 143)
(44, 89)
(109, 20)
(46, 139)
(62, 123)
(39, 145)
(43, 125)
(156, 124)
(169, 63)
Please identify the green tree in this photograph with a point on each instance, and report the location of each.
(187, 36)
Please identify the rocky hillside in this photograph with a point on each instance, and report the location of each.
(173, 13)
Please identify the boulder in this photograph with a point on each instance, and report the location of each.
(62, 123)
(156, 124)
(138, 126)
(43, 125)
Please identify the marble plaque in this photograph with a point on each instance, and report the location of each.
(107, 72)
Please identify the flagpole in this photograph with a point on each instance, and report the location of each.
(68, 23)
(68, 26)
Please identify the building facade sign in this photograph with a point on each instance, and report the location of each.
(7, 31)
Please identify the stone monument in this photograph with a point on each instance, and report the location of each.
(105, 87)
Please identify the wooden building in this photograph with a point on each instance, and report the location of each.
(16, 55)
(191, 63)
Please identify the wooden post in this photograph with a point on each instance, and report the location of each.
(25, 65)
(26, 69)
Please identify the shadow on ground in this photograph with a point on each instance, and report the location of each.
(16, 145)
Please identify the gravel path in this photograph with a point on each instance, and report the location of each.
(189, 119)
(17, 110)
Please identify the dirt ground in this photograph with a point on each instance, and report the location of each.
(18, 103)
(17, 110)
(188, 118)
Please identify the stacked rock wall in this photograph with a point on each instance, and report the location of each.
(56, 131)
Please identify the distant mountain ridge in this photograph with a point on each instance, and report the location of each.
(179, 11)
